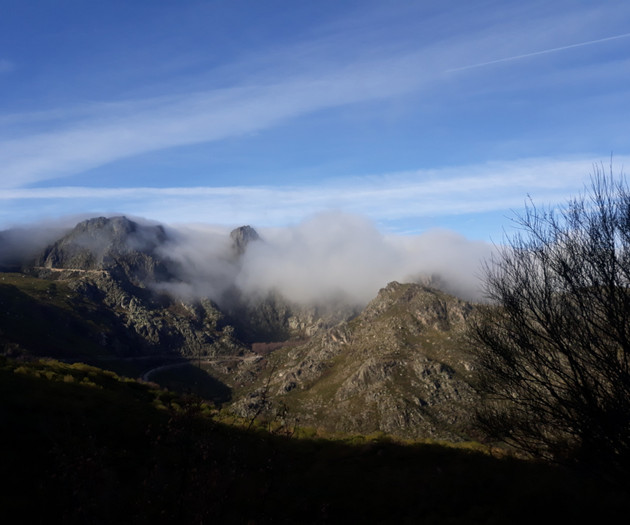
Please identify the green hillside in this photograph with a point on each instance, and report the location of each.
(82, 445)
(48, 318)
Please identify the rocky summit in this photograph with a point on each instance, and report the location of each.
(241, 237)
(118, 245)
(399, 365)
(116, 264)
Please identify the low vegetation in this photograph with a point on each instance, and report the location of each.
(83, 445)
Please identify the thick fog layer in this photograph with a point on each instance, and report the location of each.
(21, 244)
(203, 259)
(332, 256)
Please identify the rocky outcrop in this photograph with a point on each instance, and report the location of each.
(241, 237)
(273, 318)
(162, 324)
(401, 366)
(123, 247)
(115, 263)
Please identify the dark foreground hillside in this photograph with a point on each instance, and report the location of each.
(80, 445)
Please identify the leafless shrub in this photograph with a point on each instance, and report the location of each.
(554, 348)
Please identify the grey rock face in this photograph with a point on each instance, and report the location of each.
(273, 318)
(401, 367)
(161, 325)
(117, 244)
(241, 237)
(115, 262)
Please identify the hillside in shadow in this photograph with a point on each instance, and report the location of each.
(83, 445)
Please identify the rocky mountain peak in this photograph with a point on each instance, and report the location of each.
(118, 233)
(116, 244)
(241, 237)
(428, 306)
(400, 366)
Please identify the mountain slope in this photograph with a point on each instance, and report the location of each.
(122, 247)
(115, 263)
(400, 367)
(48, 318)
(80, 445)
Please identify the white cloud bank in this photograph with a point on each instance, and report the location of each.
(340, 255)
(329, 256)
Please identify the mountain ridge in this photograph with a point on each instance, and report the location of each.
(404, 373)
(395, 365)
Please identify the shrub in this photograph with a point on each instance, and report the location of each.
(554, 348)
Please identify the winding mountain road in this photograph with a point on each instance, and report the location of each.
(208, 360)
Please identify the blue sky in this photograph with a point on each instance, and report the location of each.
(418, 115)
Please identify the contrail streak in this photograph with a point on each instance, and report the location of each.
(536, 53)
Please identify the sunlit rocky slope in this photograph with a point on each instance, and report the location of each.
(400, 367)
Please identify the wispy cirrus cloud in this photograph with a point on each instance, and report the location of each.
(131, 128)
(539, 53)
(389, 197)
(432, 87)
(352, 63)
